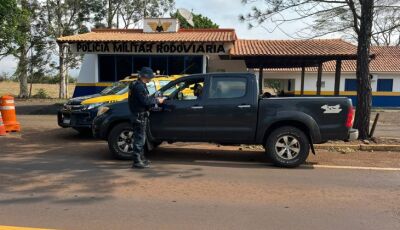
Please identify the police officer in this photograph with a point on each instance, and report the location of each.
(139, 104)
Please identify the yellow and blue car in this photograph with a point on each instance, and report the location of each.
(79, 112)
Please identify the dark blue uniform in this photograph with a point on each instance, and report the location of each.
(139, 104)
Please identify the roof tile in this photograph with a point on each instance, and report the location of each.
(310, 47)
(134, 35)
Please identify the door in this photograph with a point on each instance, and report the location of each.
(181, 117)
(231, 109)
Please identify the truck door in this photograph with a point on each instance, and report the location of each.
(181, 117)
(230, 109)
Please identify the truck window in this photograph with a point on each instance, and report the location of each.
(227, 87)
(191, 89)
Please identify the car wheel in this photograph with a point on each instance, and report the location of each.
(287, 147)
(120, 141)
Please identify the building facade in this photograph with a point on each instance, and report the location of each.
(113, 54)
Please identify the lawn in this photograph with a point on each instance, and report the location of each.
(12, 88)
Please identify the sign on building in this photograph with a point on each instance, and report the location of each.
(159, 25)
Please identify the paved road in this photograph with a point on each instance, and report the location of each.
(53, 178)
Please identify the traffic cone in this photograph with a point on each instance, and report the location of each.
(2, 127)
(7, 109)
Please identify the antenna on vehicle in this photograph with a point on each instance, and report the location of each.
(187, 15)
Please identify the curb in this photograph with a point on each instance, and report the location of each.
(395, 148)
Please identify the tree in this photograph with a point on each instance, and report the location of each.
(9, 15)
(354, 18)
(130, 11)
(133, 11)
(22, 37)
(199, 21)
(65, 18)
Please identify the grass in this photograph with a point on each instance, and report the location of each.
(52, 90)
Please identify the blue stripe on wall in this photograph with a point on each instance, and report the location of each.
(381, 101)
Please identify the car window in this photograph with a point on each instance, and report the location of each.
(151, 87)
(163, 83)
(227, 87)
(114, 88)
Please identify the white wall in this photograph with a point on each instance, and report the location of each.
(310, 80)
(89, 69)
(215, 64)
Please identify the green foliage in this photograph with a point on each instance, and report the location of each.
(41, 94)
(133, 11)
(199, 21)
(9, 14)
(273, 84)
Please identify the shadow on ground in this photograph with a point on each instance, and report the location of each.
(59, 165)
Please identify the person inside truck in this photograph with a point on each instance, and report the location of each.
(198, 90)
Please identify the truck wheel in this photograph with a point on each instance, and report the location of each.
(287, 147)
(120, 141)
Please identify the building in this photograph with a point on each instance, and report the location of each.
(384, 70)
(302, 67)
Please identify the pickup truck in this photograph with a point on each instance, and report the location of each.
(229, 110)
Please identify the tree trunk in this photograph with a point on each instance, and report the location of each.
(62, 93)
(364, 98)
(22, 72)
(109, 14)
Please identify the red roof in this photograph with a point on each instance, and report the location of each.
(135, 35)
(311, 47)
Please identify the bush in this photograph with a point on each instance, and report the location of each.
(41, 94)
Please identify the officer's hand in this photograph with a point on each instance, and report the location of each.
(160, 100)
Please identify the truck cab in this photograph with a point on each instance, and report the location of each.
(229, 110)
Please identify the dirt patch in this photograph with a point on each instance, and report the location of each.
(52, 90)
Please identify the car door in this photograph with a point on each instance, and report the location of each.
(230, 109)
(180, 119)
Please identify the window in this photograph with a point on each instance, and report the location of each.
(191, 89)
(151, 87)
(350, 85)
(385, 85)
(160, 64)
(193, 64)
(176, 65)
(116, 67)
(107, 68)
(163, 83)
(139, 62)
(124, 66)
(227, 87)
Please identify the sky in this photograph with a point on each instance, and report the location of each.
(223, 12)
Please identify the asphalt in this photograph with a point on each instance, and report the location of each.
(54, 178)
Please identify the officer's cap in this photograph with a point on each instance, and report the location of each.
(146, 72)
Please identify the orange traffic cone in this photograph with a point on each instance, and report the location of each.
(2, 127)
(7, 109)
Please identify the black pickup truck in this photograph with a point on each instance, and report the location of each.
(226, 108)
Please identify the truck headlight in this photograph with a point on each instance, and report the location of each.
(94, 105)
(102, 110)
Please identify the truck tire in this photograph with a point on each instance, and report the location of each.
(287, 147)
(120, 141)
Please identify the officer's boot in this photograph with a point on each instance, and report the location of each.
(138, 163)
(144, 159)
